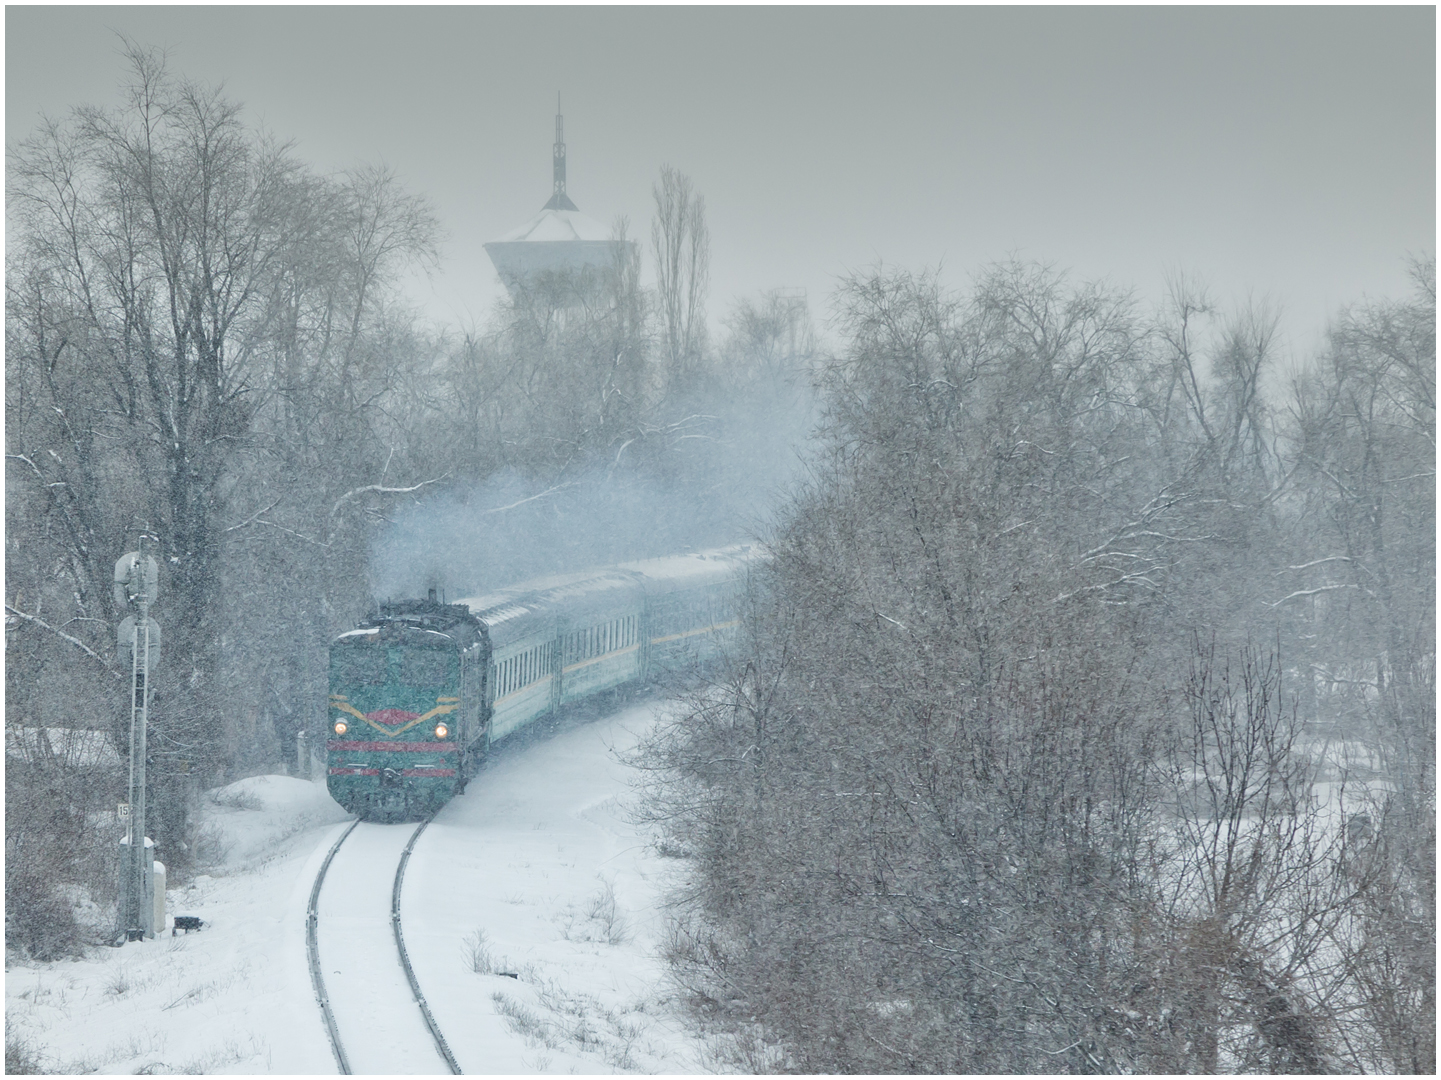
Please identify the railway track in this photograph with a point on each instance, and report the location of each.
(367, 1016)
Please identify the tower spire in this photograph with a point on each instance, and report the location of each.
(559, 200)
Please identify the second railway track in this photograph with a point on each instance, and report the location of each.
(375, 1013)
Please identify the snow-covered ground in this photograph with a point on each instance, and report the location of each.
(535, 871)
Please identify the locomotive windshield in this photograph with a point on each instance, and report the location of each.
(357, 665)
(373, 664)
(427, 667)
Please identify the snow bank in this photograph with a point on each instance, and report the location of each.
(249, 819)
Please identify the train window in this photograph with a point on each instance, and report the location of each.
(426, 667)
(357, 665)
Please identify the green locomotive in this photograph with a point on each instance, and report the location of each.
(420, 689)
(408, 714)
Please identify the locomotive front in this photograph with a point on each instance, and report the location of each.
(397, 739)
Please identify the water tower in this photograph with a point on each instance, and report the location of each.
(558, 243)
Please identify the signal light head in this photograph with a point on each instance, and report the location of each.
(341, 727)
(441, 731)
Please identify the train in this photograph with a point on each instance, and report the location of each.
(421, 689)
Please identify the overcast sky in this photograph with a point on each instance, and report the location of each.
(1282, 152)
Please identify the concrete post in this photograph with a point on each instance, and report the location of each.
(137, 914)
(157, 885)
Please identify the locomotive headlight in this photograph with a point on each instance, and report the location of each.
(341, 727)
(441, 731)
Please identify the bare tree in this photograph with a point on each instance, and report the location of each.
(770, 339)
(1180, 329)
(192, 319)
(1251, 892)
(680, 242)
(1359, 589)
(151, 237)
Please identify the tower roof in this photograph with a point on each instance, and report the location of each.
(551, 225)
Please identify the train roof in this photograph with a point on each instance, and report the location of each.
(453, 622)
(368, 631)
(517, 600)
(514, 611)
(695, 568)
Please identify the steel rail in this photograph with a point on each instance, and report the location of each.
(440, 1044)
(312, 949)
